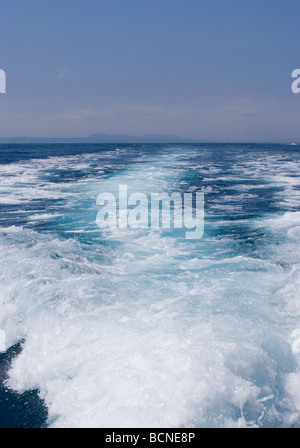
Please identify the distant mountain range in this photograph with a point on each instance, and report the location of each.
(102, 138)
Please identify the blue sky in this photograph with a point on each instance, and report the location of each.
(205, 69)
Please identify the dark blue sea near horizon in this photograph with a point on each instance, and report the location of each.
(145, 328)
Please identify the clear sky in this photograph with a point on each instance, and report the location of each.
(204, 69)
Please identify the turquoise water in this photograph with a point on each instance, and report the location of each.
(144, 328)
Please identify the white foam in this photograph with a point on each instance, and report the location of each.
(152, 331)
(44, 216)
(108, 348)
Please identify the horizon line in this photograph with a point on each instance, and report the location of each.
(125, 139)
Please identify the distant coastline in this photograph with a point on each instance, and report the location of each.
(102, 138)
(128, 139)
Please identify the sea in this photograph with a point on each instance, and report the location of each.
(143, 327)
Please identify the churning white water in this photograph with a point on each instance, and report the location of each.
(144, 328)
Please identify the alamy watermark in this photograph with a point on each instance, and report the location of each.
(153, 211)
(2, 81)
(296, 342)
(2, 341)
(296, 83)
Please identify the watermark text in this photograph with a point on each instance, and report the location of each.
(154, 211)
(2, 81)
